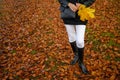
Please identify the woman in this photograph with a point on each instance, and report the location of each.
(76, 30)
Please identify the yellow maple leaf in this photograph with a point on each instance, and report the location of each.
(86, 13)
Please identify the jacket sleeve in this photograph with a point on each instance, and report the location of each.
(63, 2)
(89, 2)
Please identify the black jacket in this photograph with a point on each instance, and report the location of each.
(85, 2)
(76, 21)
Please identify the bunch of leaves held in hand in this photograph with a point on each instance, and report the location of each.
(85, 13)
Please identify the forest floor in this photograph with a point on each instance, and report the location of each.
(34, 43)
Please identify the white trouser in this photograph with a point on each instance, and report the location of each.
(76, 33)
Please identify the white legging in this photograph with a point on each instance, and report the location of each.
(76, 33)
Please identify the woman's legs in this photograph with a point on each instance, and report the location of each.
(76, 33)
(80, 32)
(76, 39)
(71, 33)
(72, 39)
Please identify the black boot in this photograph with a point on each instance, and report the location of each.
(75, 51)
(80, 61)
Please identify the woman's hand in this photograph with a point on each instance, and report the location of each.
(72, 7)
(77, 5)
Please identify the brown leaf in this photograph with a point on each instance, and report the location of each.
(19, 72)
(113, 77)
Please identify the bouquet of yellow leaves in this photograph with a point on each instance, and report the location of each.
(86, 13)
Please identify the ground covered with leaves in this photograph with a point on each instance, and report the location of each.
(34, 43)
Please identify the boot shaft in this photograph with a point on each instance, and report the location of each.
(81, 54)
(74, 47)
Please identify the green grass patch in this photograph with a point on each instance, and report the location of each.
(95, 48)
(103, 18)
(97, 25)
(49, 32)
(113, 43)
(50, 18)
(29, 45)
(90, 38)
(88, 30)
(33, 52)
(63, 63)
(17, 77)
(96, 44)
(48, 61)
(51, 58)
(108, 34)
(1, 14)
(54, 68)
(117, 59)
(50, 43)
(107, 57)
(13, 51)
